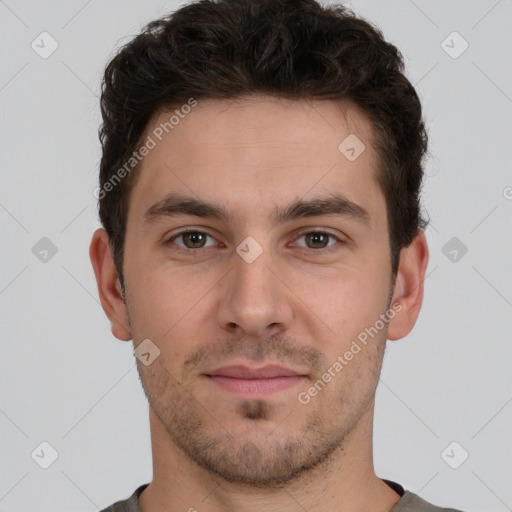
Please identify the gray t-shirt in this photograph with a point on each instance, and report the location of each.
(409, 502)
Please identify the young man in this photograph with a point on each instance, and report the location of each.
(259, 190)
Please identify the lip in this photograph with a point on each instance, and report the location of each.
(255, 382)
(245, 372)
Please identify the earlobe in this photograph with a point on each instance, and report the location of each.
(109, 287)
(408, 289)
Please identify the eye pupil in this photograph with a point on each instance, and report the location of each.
(196, 238)
(317, 238)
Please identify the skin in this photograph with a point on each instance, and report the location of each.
(297, 304)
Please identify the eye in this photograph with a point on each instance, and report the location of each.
(192, 239)
(318, 239)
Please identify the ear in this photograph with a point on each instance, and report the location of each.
(109, 287)
(408, 290)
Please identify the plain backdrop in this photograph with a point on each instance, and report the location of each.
(446, 389)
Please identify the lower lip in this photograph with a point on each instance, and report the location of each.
(258, 387)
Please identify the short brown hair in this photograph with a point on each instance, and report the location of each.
(288, 48)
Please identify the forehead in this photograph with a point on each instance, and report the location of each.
(259, 149)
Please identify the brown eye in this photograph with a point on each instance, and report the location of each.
(191, 240)
(194, 239)
(318, 239)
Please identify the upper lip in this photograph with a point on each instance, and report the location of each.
(244, 372)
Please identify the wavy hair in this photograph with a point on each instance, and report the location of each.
(289, 48)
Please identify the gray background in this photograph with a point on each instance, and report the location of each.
(65, 379)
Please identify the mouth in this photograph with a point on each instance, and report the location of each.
(255, 382)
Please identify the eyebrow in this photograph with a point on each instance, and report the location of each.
(332, 205)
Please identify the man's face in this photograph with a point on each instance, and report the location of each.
(210, 300)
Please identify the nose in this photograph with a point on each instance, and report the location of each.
(254, 301)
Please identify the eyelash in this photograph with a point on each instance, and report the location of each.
(196, 251)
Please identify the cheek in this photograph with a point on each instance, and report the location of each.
(349, 302)
(165, 306)
(153, 305)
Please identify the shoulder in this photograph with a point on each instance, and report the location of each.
(130, 504)
(411, 502)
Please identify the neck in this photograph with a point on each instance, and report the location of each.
(345, 483)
